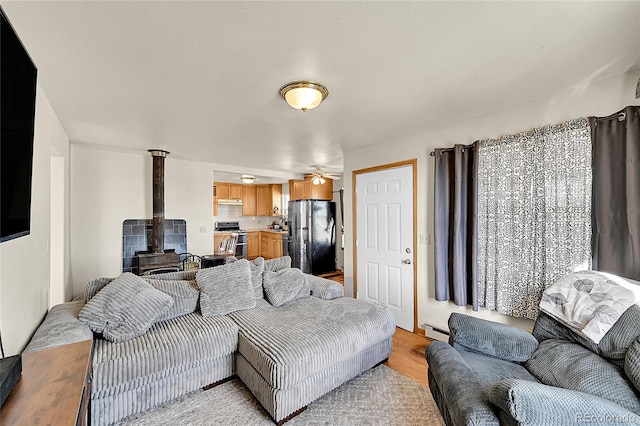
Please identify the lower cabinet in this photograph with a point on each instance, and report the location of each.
(253, 244)
(270, 245)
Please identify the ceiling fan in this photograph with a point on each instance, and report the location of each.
(319, 176)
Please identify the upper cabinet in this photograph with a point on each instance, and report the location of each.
(249, 200)
(306, 190)
(269, 200)
(257, 200)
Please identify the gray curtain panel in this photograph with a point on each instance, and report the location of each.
(455, 217)
(615, 243)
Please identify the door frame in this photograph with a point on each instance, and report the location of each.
(354, 174)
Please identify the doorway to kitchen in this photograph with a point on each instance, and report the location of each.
(385, 244)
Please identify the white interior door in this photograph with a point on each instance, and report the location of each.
(385, 241)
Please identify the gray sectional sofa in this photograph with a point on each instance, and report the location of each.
(299, 339)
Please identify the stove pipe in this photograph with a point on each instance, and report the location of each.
(157, 232)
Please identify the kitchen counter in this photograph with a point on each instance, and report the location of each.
(274, 231)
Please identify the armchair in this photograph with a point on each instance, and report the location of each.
(493, 373)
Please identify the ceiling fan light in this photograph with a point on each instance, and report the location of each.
(316, 180)
(304, 95)
(247, 178)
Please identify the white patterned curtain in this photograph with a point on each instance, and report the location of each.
(534, 214)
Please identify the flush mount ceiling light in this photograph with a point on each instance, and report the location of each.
(247, 178)
(303, 95)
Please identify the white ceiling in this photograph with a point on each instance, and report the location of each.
(201, 79)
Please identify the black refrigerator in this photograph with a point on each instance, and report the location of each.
(312, 235)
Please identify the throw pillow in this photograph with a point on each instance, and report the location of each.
(587, 302)
(257, 268)
(184, 293)
(225, 288)
(285, 285)
(277, 264)
(571, 366)
(94, 286)
(125, 308)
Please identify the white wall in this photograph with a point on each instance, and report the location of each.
(24, 262)
(598, 98)
(108, 187)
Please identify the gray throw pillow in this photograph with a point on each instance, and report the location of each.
(94, 286)
(226, 288)
(257, 268)
(569, 365)
(285, 285)
(184, 293)
(277, 264)
(125, 308)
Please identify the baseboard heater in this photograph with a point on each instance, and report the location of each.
(435, 333)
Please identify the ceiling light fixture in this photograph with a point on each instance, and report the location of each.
(303, 95)
(318, 180)
(247, 178)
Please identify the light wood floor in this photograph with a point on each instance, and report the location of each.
(407, 357)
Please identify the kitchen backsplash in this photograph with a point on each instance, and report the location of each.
(234, 213)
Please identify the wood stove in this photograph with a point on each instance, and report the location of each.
(158, 260)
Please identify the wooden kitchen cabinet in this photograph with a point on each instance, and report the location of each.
(253, 244)
(269, 200)
(249, 200)
(228, 191)
(271, 244)
(306, 190)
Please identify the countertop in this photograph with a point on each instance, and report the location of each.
(271, 231)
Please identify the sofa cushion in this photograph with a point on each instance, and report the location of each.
(184, 293)
(527, 403)
(613, 345)
(225, 288)
(168, 349)
(277, 264)
(569, 365)
(502, 341)
(297, 340)
(285, 285)
(632, 363)
(125, 308)
(257, 268)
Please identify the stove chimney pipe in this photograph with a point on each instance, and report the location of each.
(157, 232)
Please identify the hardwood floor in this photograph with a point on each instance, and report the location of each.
(407, 357)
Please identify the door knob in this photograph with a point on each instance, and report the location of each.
(407, 261)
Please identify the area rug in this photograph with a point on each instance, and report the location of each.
(379, 396)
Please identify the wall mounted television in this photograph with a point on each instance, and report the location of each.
(18, 76)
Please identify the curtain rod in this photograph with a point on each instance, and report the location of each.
(620, 116)
(433, 153)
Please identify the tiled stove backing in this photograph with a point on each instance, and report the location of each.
(136, 236)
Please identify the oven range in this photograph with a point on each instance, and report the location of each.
(241, 247)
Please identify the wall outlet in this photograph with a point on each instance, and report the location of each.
(203, 229)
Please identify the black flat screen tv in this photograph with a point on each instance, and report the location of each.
(17, 114)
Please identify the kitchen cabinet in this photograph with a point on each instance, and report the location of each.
(249, 200)
(270, 244)
(269, 200)
(253, 244)
(228, 191)
(306, 190)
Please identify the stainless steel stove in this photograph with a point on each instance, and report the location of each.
(241, 247)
